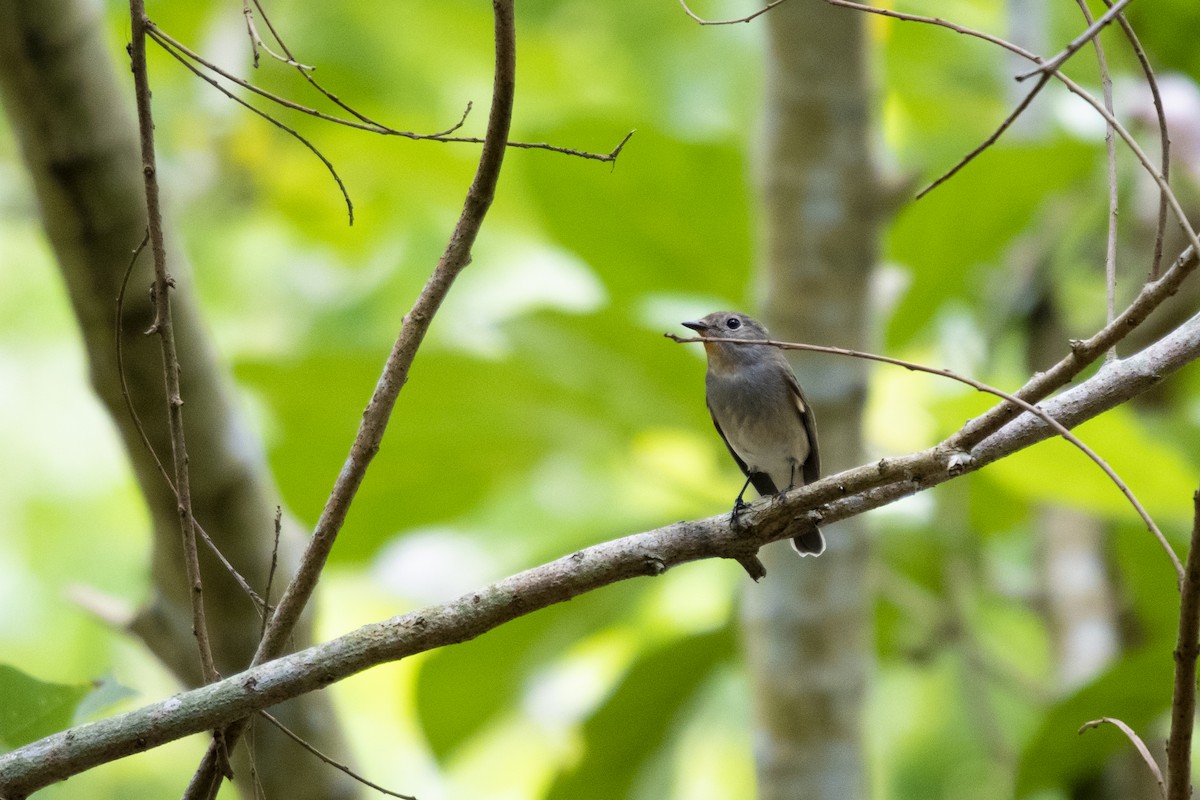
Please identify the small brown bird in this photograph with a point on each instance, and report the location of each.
(761, 413)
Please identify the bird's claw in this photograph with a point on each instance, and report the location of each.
(735, 515)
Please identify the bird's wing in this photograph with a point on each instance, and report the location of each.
(760, 480)
(812, 464)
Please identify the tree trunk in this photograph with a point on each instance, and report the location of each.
(808, 626)
(72, 120)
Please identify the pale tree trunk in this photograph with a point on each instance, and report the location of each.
(73, 122)
(808, 625)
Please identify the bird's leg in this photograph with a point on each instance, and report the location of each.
(739, 504)
(791, 481)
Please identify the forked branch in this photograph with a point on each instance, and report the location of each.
(375, 418)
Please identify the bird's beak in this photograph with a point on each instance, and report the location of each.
(696, 325)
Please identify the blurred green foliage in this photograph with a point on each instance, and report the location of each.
(546, 412)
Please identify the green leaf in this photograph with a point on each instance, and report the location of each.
(31, 709)
(630, 730)
(1135, 690)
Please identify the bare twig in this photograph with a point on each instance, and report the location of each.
(1071, 85)
(141, 429)
(165, 330)
(162, 41)
(1187, 648)
(1078, 42)
(306, 71)
(182, 51)
(1137, 742)
(1137, 150)
(1110, 152)
(288, 732)
(395, 374)
(1061, 429)
(120, 350)
(988, 142)
(746, 18)
(256, 42)
(190, 58)
(262, 12)
(1163, 136)
(938, 21)
(271, 570)
(609, 157)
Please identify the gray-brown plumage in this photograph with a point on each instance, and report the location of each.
(761, 413)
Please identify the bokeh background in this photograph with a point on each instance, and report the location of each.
(547, 412)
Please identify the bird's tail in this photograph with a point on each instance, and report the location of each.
(809, 543)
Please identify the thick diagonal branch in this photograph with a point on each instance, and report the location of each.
(837, 497)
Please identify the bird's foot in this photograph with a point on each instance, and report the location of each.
(735, 516)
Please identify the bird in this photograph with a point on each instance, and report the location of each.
(761, 413)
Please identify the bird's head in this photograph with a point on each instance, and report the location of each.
(728, 325)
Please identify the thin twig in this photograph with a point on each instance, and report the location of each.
(163, 327)
(262, 12)
(746, 18)
(375, 418)
(170, 42)
(939, 22)
(1137, 742)
(988, 142)
(1187, 648)
(306, 71)
(608, 157)
(256, 42)
(260, 606)
(163, 42)
(1110, 152)
(295, 737)
(1164, 137)
(273, 567)
(1078, 42)
(186, 55)
(120, 348)
(1145, 161)
(1071, 85)
(1061, 429)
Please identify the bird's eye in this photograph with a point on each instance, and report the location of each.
(733, 323)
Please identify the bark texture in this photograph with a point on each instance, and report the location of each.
(807, 627)
(73, 122)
